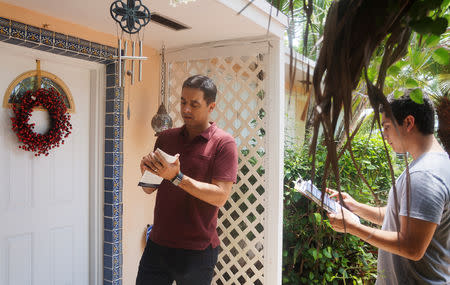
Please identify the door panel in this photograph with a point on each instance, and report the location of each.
(44, 201)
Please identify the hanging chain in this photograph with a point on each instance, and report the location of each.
(163, 76)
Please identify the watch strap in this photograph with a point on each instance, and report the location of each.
(177, 179)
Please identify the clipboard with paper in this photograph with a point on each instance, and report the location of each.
(312, 193)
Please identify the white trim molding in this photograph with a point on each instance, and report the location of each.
(260, 11)
(275, 135)
(236, 47)
(96, 163)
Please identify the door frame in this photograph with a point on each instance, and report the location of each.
(96, 149)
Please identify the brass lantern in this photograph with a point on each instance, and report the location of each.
(162, 121)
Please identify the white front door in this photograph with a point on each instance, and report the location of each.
(44, 201)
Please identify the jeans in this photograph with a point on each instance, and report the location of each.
(162, 265)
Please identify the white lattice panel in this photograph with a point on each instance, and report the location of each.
(240, 111)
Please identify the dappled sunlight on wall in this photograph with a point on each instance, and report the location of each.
(295, 104)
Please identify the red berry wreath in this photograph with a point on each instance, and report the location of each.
(60, 126)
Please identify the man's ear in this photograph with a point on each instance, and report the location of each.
(211, 106)
(409, 122)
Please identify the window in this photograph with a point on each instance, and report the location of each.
(28, 81)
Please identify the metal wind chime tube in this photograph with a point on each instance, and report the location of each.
(133, 50)
(140, 62)
(125, 50)
(119, 54)
(134, 57)
(122, 60)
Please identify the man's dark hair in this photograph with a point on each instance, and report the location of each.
(423, 113)
(203, 83)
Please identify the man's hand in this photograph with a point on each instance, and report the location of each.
(349, 202)
(337, 220)
(143, 167)
(369, 213)
(156, 164)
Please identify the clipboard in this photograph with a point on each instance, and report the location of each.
(314, 194)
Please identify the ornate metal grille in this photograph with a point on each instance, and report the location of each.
(240, 111)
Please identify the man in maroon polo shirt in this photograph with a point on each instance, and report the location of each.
(183, 243)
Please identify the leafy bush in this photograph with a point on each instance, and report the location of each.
(313, 253)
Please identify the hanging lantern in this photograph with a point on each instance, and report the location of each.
(162, 121)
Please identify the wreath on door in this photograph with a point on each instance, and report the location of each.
(60, 126)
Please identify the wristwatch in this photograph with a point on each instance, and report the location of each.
(177, 179)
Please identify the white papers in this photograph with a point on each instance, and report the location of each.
(151, 180)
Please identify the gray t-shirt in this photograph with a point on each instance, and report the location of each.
(429, 201)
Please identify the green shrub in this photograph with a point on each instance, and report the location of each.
(312, 252)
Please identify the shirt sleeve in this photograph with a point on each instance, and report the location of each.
(226, 161)
(427, 198)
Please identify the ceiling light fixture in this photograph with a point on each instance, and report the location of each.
(174, 3)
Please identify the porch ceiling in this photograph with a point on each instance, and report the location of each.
(210, 20)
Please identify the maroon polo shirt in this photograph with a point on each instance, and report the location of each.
(182, 220)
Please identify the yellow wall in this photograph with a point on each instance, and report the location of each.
(139, 139)
(138, 135)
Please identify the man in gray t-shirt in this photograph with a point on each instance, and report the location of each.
(429, 197)
(414, 241)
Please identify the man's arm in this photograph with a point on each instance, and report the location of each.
(371, 214)
(215, 193)
(368, 213)
(410, 242)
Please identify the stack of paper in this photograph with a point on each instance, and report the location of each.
(151, 180)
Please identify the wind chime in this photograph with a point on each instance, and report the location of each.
(131, 16)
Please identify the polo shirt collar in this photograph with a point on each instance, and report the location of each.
(206, 134)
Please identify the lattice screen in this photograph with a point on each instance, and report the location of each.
(240, 111)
